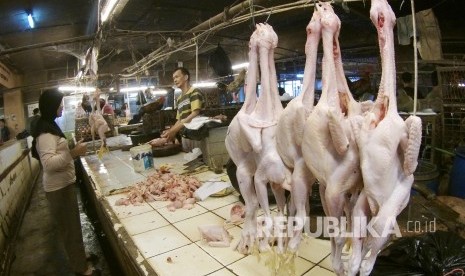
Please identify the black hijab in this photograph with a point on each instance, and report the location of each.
(49, 102)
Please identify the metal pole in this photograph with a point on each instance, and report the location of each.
(196, 62)
(415, 60)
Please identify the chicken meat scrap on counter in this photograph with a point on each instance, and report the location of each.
(163, 186)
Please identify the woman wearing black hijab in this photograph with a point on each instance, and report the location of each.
(51, 148)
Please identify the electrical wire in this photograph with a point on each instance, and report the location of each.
(154, 57)
(183, 45)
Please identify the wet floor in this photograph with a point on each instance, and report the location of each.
(37, 251)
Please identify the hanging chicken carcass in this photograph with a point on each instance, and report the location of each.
(291, 126)
(389, 149)
(98, 125)
(251, 143)
(328, 144)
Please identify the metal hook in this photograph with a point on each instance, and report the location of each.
(401, 4)
(269, 15)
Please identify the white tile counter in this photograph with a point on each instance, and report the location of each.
(159, 242)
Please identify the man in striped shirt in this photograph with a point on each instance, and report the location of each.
(189, 104)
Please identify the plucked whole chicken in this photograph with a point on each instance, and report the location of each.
(98, 125)
(328, 144)
(251, 144)
(388, 148)
(291, 126)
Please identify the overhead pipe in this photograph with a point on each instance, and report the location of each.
(46, 44)
(119, 7)
(206, 25)
(220, 18)
(245, 5)
(213, 22)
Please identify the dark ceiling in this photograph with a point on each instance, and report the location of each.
(146, 38)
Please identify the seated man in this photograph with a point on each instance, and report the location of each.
(189, 104)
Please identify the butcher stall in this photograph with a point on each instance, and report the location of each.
(148, 238)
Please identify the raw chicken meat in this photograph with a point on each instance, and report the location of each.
(162, 186)
(241, 153)
(291, 126)
(251, 140)
(98, 125)
(388, 152)
(158, 142)
(328, 144)
(215, 235)
(260, 129)
(237, 213)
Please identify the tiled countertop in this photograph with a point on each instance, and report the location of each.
(169, 242)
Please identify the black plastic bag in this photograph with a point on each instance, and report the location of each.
(220, 62)
(34, 151)
(23, 134)
(435, 253)
(195, 134)
(201, 133)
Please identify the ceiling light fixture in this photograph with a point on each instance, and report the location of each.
(160, 92)
(204, 84)
(76, 89)
(135, 88)
(108, 9)
(30, 19)
(240, 65)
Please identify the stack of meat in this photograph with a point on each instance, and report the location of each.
(163, 186)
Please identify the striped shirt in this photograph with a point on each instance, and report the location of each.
(189, 102)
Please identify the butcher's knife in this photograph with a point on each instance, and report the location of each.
(199, 170)
(192, 161)
(194, 165)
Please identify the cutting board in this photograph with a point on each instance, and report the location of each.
(166, 150)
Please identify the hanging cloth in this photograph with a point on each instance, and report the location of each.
(429, 42)
(404, 29)
(428, 33)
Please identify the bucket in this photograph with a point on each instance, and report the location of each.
(142, 157)
(426, 175)
(457, 174)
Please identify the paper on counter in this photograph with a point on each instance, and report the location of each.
(209, 188)
(196, 152)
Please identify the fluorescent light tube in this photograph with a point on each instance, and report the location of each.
(132, 89)
(204, 84)
(240, 65)
(30, 20)
(159, 92)
(76, 88)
